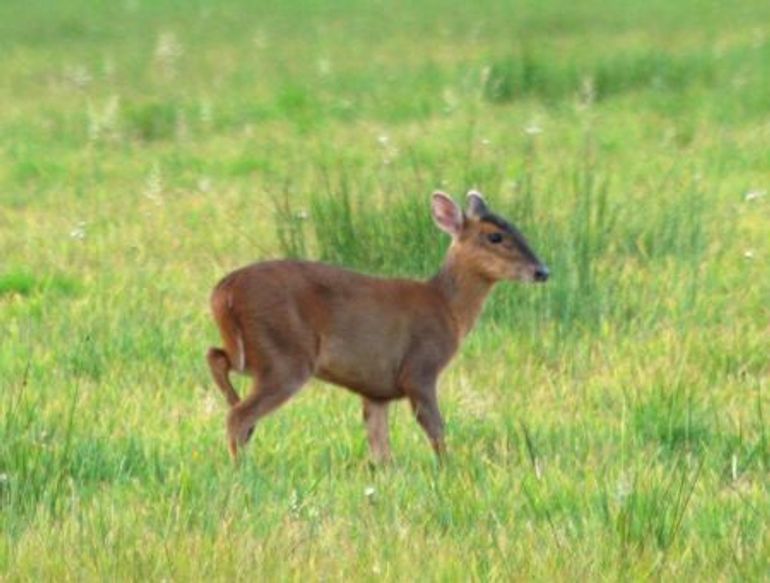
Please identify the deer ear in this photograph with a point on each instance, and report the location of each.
(477, 206)
(447, 215)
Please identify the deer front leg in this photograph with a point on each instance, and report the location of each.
(376, 420)
(425, 407)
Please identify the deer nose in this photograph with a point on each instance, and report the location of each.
(541, 273)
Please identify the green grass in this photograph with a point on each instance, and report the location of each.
(612, 424)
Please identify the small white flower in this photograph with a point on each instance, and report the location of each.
(4, 479)
(749, 254)
(754, 195)
(369, 491)
(294, 504)
(204, 184)
(301, 215)
(623, 488)
(533, 129)
(78, 232)
(485, 142)
(383, 140)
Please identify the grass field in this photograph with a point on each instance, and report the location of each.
(612, 424)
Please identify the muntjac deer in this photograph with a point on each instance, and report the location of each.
(283, 322)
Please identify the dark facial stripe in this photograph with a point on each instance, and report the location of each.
(518, 238)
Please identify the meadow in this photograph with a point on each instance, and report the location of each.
(611, 424)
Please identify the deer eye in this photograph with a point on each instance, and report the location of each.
(494, 238)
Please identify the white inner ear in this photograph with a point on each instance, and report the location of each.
(447, 214)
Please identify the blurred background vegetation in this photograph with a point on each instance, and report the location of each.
(611, 423)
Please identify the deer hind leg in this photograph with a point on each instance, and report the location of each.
(376, 420)
(269, 392)
(220, 366)
(232, 356)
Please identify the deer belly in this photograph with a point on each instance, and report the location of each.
(369, 371)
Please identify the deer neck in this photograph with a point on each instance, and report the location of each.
(464, 291)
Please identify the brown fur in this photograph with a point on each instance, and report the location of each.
(283, 322)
